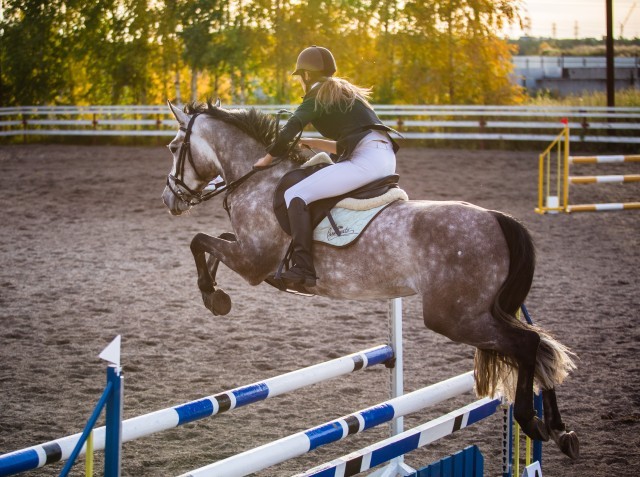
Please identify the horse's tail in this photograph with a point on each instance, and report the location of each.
(495, 371)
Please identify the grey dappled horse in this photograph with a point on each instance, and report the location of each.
(472, 267)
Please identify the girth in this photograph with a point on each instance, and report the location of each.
(320, 208)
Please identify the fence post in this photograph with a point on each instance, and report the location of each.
(24, 128)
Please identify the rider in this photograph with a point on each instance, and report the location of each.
(359, 143)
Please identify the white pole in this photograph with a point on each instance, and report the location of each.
(298, 444)
(144, 425)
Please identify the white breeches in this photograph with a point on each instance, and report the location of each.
(372, 159)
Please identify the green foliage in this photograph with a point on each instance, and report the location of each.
(145, 51)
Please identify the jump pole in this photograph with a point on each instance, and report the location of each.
(601, 180)
(420, 436)
(147, 424)
(602, 159)
(604, 179)
(301, 443)
(558, 201)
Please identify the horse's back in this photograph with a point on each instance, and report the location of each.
(441, 221)
(417, 246)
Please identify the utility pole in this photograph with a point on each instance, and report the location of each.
(611, 101)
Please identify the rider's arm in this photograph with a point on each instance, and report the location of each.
(323, 144)
(303, 115)
(285, 136)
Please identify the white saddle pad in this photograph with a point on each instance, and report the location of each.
(350, 224)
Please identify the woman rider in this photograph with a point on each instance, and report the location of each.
(359, 142)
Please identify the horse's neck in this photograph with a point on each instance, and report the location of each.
(253, 219)
(251, 203)
(240, 161)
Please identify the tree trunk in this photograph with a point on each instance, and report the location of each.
(194, 84)
(177, 85)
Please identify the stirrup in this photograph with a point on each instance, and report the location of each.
(299, 276)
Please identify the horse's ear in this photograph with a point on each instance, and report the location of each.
(180, 116)
(218, 103)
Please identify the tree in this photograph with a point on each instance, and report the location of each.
(33, 52)
(134, 51)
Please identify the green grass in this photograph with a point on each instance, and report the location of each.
(625, 98)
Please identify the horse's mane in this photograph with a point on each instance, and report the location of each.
(256, 124)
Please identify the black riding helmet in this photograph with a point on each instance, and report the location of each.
(315, 59)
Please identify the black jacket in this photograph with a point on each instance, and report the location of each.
(347, 128)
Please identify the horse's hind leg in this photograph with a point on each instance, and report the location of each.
(523, 410)
(500, 343)
(566, 441)
(521, 345)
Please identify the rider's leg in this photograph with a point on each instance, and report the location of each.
(302, 271)
(372, 159)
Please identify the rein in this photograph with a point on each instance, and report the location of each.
(182, 192)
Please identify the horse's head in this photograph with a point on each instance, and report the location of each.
(216, 141)
(195, 163)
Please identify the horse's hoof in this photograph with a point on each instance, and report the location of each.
(222, 301)
(567, 442)
(217, 302)
(535, 429)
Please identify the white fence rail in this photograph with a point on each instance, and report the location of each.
(419, 122)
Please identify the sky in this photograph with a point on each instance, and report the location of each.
(578, 19)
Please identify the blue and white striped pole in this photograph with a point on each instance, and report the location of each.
(134, 428)
(298, 444)
(420, 436)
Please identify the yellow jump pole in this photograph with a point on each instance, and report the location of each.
(559, 164)
(88, 466)
(565, 198)
(541, 183)
(546, 202)
(516, 449)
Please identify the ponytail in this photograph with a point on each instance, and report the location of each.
(341, 94)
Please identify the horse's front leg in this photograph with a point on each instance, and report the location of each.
(215, 299)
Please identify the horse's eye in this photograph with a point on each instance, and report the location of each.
(173, 148)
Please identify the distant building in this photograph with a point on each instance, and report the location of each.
(565, 75)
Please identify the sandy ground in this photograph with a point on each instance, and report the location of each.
(87, 251)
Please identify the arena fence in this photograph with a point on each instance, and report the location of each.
(414, 122)
(554, 178)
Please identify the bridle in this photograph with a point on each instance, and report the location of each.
(176, 183)
(182, 192)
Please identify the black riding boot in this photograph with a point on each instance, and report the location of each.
(302, 271)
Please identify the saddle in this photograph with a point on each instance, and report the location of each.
(319, 210)
(322, 208)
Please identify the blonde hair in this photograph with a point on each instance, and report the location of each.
(339, 93)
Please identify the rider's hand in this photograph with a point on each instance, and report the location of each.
(307, 142)
(263, 161)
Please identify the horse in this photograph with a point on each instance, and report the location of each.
(472, 267)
